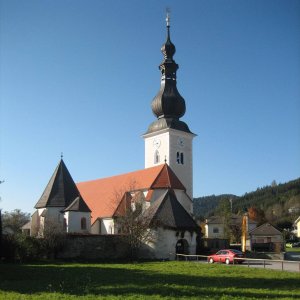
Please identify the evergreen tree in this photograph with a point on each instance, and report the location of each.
(224, 211)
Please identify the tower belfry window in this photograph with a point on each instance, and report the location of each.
(156, 157)
(180, 158)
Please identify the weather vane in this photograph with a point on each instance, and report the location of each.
(168, 11)
(61, 155)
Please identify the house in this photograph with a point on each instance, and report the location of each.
(265, 238)
(294, 210)
(215, 227)
(26, 228)
(164, 187)
(297, 227)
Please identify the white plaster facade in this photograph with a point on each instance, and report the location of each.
(69, 221)
(297, 226)
(214, 231)
(104, 226)
(176, 149)
(74, 222)
(164, 243)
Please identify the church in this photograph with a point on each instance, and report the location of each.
(164, 188)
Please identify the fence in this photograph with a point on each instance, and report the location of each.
(284, 265)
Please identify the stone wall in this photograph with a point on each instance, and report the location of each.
(94, 247)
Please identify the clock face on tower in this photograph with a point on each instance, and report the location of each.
(156, 143)
(180, 142)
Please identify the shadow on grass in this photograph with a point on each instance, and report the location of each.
(80, 280)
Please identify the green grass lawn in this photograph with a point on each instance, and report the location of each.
(155, 280)
(293, 249)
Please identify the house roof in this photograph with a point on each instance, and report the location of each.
(60, 191)
(103, 196)
(78, 205)
(166, 211)
(265, 229)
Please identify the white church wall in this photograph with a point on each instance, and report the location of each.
(107, 226)
(73, 221)
(52, 215)
(162, 146)
(163, 245)
(183, 171)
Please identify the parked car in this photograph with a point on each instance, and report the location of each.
(226, 256)
(295, 245)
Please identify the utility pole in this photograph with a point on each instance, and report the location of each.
(230, 200)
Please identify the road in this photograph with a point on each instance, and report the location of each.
(274, 265)
(290, 266)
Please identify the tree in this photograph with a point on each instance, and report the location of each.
(273, 183)
(131, 222)
(14, 220)
(256, 214)
(53, 237)
(224, 211)
(235, 233)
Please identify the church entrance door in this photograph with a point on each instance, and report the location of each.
(182, 247)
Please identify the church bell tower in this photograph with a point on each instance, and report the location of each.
(168, 139)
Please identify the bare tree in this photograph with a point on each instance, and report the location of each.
(53, 236)
(130, 219)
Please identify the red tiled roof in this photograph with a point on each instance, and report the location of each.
(103, 196)
(167, 179)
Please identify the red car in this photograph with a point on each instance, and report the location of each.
(226, 256)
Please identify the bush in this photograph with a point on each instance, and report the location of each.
(20, 247)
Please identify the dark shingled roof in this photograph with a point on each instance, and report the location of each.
(265, 229)
(61, 190)
(166, 211)
(78, 205)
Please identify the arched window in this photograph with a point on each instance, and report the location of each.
(83, 223)
(178, 158)
(156, 157)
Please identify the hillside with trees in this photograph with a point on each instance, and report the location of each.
(276, 203)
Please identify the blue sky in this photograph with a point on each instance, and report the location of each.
(78, 77)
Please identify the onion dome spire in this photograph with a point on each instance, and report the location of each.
(168, 105)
